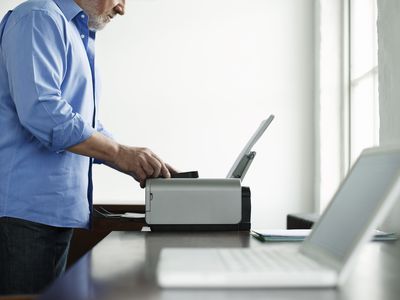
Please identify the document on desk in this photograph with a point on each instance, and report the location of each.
(298, 235)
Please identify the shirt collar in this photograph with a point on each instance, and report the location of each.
(69, 8)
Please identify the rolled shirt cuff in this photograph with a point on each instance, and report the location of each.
(70, 133)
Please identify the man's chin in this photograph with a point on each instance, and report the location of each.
(98, 25)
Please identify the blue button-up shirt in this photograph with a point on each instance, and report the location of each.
(47, 104)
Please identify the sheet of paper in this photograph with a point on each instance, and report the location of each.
(295, 235)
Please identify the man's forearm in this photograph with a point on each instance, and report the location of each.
(140, 163)
(97, 146)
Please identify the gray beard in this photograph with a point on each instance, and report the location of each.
(97, 23)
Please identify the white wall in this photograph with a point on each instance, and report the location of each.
(389, 88)
(192, 80)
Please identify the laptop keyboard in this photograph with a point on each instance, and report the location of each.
(260, 259)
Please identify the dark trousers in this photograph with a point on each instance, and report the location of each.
(32, 255)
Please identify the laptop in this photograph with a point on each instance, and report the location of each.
(324, 259)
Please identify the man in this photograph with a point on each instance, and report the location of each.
(49, 135)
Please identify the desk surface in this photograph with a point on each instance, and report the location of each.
(122, 266)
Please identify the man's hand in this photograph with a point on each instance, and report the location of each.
(140, 163)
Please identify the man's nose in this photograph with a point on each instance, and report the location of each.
(120, 8)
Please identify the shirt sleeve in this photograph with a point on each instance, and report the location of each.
(35, 54)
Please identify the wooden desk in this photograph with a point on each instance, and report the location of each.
(84, 240)
(122, 266)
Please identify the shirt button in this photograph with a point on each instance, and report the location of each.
(82, 36)
(82, 16)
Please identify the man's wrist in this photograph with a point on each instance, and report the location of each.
(115, 154)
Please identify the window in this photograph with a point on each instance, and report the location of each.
(364, 103)
(347, 113)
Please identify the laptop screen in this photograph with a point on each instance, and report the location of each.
(356, 202)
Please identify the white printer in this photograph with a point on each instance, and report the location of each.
(186, 202)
